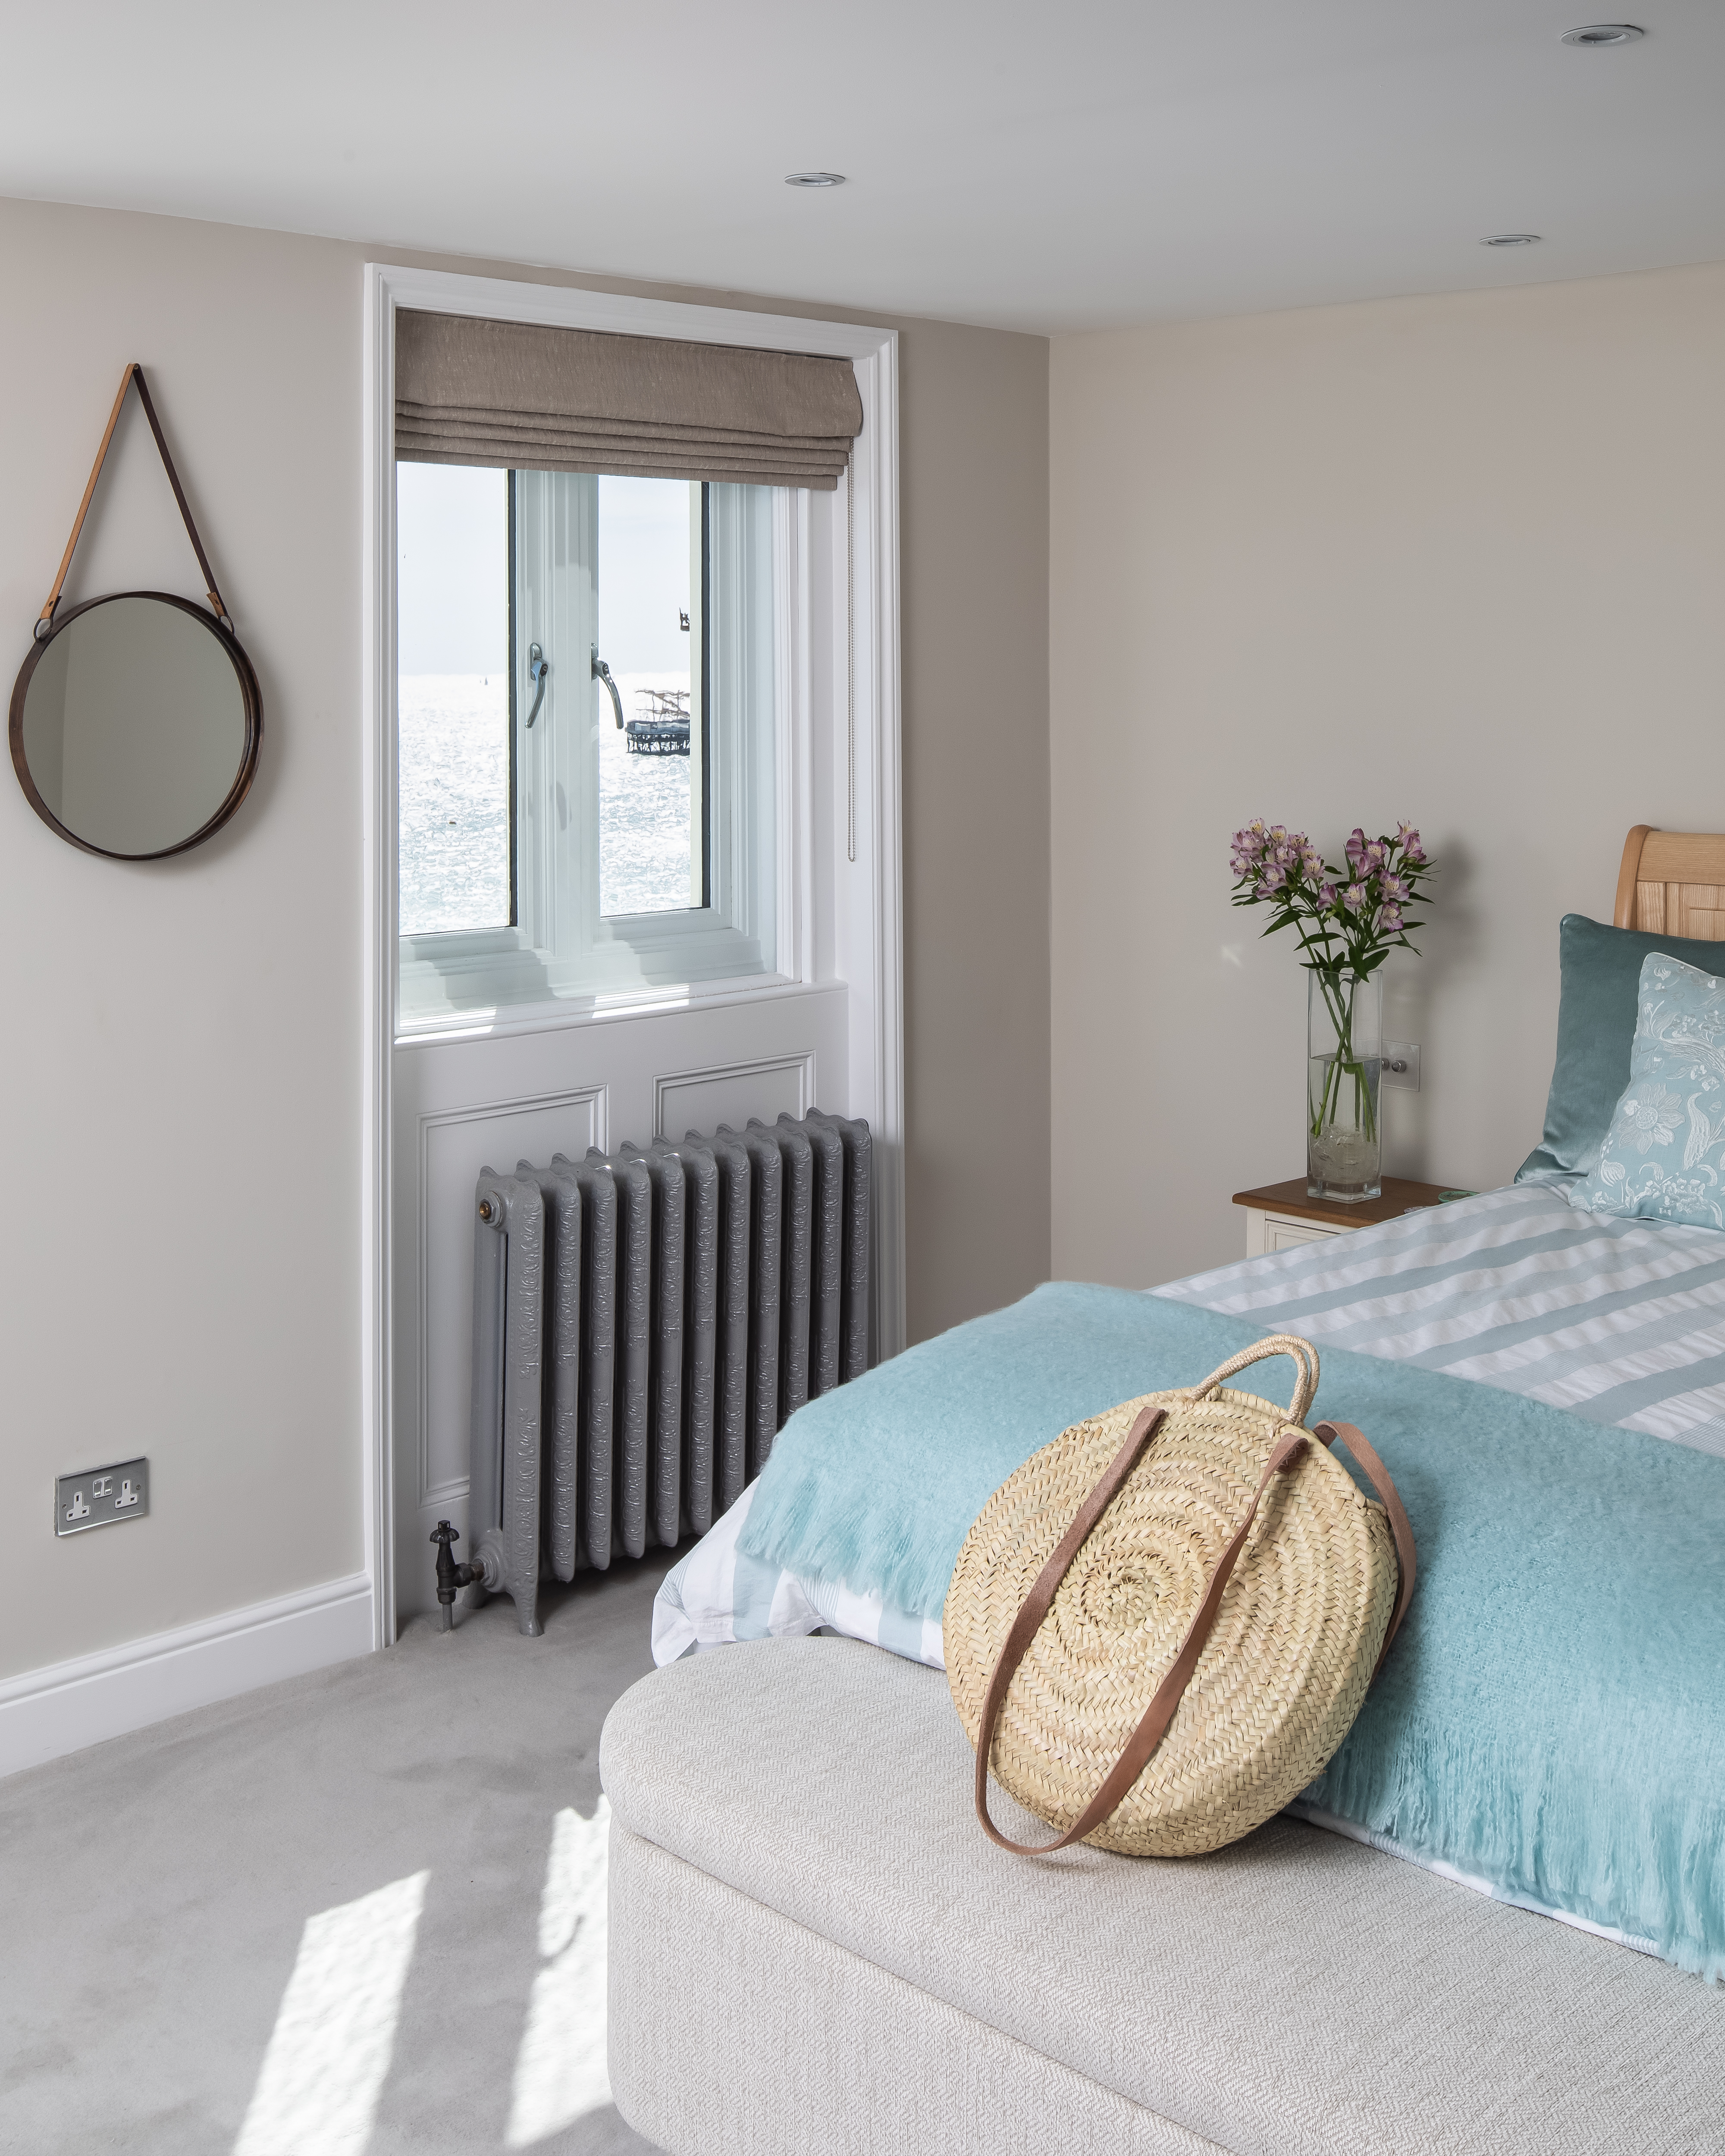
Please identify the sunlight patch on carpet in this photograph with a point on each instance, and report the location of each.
(318, 2088)
(560, 2073)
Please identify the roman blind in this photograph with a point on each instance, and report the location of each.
(473, 391)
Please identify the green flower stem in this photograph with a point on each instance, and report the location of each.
(1343, 1062)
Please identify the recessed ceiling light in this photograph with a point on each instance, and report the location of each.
(1603, 34)
(814, 179)
(1510, 239)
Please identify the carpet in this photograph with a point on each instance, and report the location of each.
(362, 1910)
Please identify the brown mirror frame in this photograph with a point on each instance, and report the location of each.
(250, 696)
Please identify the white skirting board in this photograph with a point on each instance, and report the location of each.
(47, 1712)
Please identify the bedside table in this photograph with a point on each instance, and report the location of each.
(1280, 1214)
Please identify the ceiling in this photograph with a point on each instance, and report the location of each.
(1046, 167)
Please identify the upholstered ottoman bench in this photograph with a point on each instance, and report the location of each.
(813, 1949)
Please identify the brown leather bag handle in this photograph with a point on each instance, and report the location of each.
(134, 372)
(1291, 1442)
(1400, 1527)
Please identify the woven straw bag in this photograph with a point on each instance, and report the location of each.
(1156, 1644)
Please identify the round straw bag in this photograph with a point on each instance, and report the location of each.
(1155, 1644)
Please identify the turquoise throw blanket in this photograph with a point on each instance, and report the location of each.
(1552, 1719)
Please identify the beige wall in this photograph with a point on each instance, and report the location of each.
(975, 643)
(180, 1095)
(1459, 560)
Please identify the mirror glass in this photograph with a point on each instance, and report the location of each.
(135, 724)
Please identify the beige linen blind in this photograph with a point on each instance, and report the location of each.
(471, 391)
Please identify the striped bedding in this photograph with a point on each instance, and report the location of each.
(1621, 1321)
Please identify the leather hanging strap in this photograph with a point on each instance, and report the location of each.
(1378, 1475)
(134, 372)
(1291, 1442)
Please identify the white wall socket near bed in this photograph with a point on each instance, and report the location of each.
(1401, 1064)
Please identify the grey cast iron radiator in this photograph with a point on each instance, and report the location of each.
(644, 1322)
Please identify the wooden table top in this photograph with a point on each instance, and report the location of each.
(1399, 1196)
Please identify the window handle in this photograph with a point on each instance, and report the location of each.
(602, 672)
(538, 666)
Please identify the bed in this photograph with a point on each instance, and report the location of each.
(792, 1816)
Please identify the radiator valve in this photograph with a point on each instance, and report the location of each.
(451, 1578)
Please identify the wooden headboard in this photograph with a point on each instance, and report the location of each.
(1673, 883)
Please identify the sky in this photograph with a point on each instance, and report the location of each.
(453, 558)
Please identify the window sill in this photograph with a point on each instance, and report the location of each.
(497, 969)
(424, 1021)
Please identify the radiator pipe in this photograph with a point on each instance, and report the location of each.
(452, 1577)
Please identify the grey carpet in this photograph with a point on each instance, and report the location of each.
(154, 1889)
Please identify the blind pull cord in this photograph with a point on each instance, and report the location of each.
(850, 655)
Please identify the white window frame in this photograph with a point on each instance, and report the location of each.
(562, 947)
(839, 901)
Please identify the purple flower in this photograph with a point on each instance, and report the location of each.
(1311, 861)
(1326, 896)
(1409, 840)
(1356, 847)
(1355, 896)
(1390, 920)
(1248, 847)
(1273, 877)
(1395, 888)
(1373, 857)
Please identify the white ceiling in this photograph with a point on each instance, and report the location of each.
(1042, 167)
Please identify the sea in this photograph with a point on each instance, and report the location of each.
(453, 782)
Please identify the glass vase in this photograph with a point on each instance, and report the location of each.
(1344, 1019)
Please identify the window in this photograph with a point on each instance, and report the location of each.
(587, 740)
(457, 845)
(831, 938)
(652, 636)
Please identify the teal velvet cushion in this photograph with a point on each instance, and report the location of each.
(1664, 1156)
(1600, 972)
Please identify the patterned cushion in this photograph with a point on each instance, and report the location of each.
(1664, 1156)
(1600, 972)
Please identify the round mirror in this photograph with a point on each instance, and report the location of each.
(135, 725)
